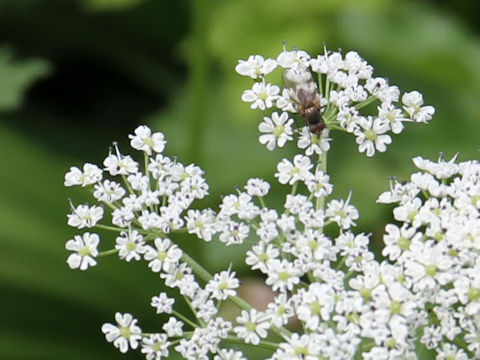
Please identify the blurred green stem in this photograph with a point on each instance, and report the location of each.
(199, 69)
(322, 159)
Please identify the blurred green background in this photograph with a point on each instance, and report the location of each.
(77, 75)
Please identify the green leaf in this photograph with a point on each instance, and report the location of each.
(16, 76)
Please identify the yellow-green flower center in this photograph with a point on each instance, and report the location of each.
(431, 270)
(396, 307)
(412, 215)
(251, 326)
(161, 255)
(283, 275)
(131, 246)
(404, 243)
(84, 251)
(278, 131)
(149, 142)
(474, 294)
(366, 293)
(371, 135)
(315, 308)
(125, 332)
(301, 351)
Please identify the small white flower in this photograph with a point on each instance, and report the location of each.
(150, 220)
(173, 327)
(145, 141)
(125, 334)
(291, 173)
(341, 212)
(392, 116)
(379, 88)
(319, 185)
(316, 304)
(354, 64)
(155, 346)
(412, 103)
(312, 143)
(117, 164)
(281, 310)
(84, 216)
(241, 205)
(261, 95)
(277, 130)
(229, 354)
(223, 285)
(123, 216)
(348, 118)
(163, 256)
(288, 59)
(257, 187)
(138, 181)
(260, 255)
(201, 223)
(232, 232)
(90, 175)
(253, 326)
(108, 191)
(297, 204)
(282, 275)
(286, 101)
(370, 135)
(255, 67)
(85, 251)
(162, 303)
(329, 63)
(398, 240)
(451, 352)
(159, 166)
(130, 245)
(441, 169)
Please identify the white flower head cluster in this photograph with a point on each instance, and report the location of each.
(436, 249)
(146, 210)
(331, 92)
(333, 299)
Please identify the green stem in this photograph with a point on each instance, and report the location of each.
(322, 159)
(197, 268)
(111, 228)
(262, 203)
(108, 252)
(127, 184)
(199, 66)
(206, 276)
(294, 188)
(184, 319)
(366, 102)
(264, 344)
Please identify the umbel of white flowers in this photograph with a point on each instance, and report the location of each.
(345, 86)
(425, 294)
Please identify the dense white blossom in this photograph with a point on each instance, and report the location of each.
(329, 297)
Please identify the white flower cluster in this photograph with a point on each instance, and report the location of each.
(426, 291)
(341, 302)
(344, 86)
(324, 274)
(147, 208)
(436, 251)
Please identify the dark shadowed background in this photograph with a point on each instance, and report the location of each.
(77, 75)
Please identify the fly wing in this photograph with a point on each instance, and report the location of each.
(298, 81)
(296, 75)
(307, 94)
